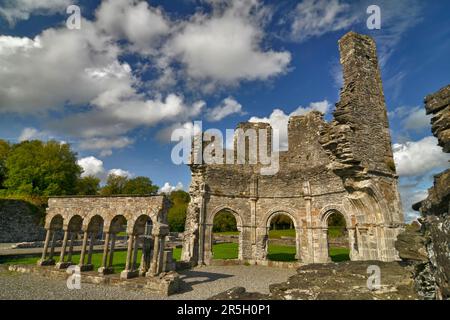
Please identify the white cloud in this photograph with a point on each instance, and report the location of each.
(279, 120)
(14, 10)
(189, 128)
(134, 21)
(225, 46)
(228, 107)
(416, 158)
(313, 18)
(105, 145)
(168, 188)
(412, 193)
(92, 167)
(120, 173)
(32, 134)
(417, 119)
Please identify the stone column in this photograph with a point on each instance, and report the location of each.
(309, 225)
(44, 261)
(135, 252)
(202, 226)
(91, 247)
(104, 268)
(62, 264)
(69, 255)
(129, 272)
(146, 256)
(52, 248)
(159, 233)
(111, 252)
(83, 266)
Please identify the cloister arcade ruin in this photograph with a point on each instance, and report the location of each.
(142, 218)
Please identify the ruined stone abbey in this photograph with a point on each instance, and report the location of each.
(344, 167)
(341, 167)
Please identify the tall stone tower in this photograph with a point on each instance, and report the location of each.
(362, 105)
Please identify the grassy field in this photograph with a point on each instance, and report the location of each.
(333, 232)
(220, 251)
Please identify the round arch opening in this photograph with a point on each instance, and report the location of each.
(226, 236)
(337, 237)
(282, 244)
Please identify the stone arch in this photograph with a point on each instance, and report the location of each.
(324, 215)
(95, 223)
(138, 225)
(209, 231)
(113, 225)
(56, 222)
(329, 210)
(265, 226)
(75, 224)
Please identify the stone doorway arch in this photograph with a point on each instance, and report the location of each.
(209, 232)
(264, 235)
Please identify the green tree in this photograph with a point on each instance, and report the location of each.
(4, 151)
(44, 169)
(224, 221)
(114, 185)
(140, 186)
(177, 213)
(88, 186)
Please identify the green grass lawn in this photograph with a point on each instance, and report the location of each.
(273, 234)
(220, 251)
(118, 265)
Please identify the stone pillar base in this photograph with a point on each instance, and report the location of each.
(150, 274)
(63, 265)
(48, 262)
(86, 267)
(105, 270)
(128, 274)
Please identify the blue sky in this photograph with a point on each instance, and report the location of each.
(136, 70)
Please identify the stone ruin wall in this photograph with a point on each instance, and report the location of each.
(345, 165)
(433, 273)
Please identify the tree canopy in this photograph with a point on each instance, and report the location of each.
(177, 213)
(123, 185)
(41, 168)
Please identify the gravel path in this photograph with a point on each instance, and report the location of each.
(201, 283)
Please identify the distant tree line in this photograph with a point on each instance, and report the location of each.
(36, 168)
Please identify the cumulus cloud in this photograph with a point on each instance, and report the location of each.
(225, 46)
(14, 10)
(92, 167)
(228, 107)
(32, 134)
(417, 119)
(279, 120)
(133, 20)
(416, 158)
(120, 173)
(168, 188)
(105, 145)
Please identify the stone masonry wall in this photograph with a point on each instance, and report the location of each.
(19, 222)
(433, 276)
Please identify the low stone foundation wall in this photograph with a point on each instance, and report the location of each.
(165, 284)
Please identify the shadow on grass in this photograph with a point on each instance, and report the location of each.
(284, 257)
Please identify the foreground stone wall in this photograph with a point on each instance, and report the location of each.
(345, 167)
(433, 275)
(19, 222)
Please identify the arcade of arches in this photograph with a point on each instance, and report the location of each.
(142, 218)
